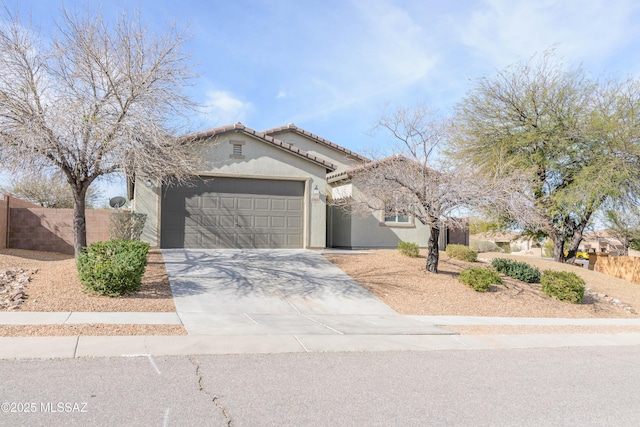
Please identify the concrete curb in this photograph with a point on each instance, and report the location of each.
(74, 318)
(523, 321)
(134, 346)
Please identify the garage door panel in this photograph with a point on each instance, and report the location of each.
(278, 240)
(294, 205)
(261, 221)
(192, 239)
(227, 221)
(245, 203)
(294, 240)
(244, 221)
(294, 222)
(233, 213)
(210, 202)
(278, 222)
(278, 205)
(262, 240)
(193, 202)
(261, 204)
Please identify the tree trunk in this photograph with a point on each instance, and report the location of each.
(576, 239)
(79, 220)
(433, 250)
(558, 248)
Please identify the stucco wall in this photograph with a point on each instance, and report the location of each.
(147, 200)
(339, 228)
(370, 231)
(260, 160)
(338, 158)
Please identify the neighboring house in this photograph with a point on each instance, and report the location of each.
(601, 241)
(507, 240)
(264, 190)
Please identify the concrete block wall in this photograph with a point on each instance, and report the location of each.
(51, 230)
(4, 222)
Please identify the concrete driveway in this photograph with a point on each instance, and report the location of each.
(247, 292)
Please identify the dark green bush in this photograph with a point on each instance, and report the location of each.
(480, 279)
(518, 270)
(461, 252)
(112, 268)
(409, 249)
(564, 285)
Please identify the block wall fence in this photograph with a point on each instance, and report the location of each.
(24, 225)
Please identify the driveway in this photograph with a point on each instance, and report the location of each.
(260, 291)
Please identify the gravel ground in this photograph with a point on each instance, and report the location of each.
(405, 285)
(55, 287)
(399, 281)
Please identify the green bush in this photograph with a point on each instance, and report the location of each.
(547, 249)
(126, 225)
(480, 279)
(518, 270)
(112, 268)
(484, 246)
(564, 285)
(409, 249)
(461, 252)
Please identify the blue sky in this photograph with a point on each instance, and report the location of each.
(331, 66)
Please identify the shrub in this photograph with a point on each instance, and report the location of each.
(547, 249)
(480, 279)
(112, 268)
(409, 249)
(518, 270)
(126, 225)
(484, 246)
(461, 252)
(564, 285)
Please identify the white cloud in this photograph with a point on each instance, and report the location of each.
(222, 108)
(503, 31)
(282, 94)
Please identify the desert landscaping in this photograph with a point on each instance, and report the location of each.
(399, 281)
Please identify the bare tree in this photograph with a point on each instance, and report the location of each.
(49, 191)
(418, 181)
(92, 99)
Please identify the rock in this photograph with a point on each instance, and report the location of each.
(12, 288)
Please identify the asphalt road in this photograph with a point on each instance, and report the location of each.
(536, 387)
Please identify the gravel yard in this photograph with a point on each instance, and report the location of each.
(55, 287)
(399, 281)
(405, 285)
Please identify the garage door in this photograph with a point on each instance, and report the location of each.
(233, 213)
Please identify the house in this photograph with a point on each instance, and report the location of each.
(602, 241)
(265, 189)
(506, 240)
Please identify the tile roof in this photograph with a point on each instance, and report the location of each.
(337, 176)
(316, 138)
(239, 127)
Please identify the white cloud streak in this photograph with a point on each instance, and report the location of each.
(222, 108)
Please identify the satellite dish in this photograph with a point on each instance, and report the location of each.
(117, 202)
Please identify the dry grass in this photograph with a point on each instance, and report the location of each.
(405, 285)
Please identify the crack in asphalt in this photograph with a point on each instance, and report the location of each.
(214, 397)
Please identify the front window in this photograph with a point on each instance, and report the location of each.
(394, 215)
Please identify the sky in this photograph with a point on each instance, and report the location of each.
(332, 66)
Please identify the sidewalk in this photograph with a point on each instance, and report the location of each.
(123, 346)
